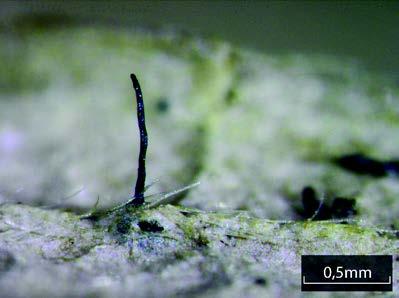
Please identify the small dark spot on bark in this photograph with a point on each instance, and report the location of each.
(310, 201)
(379, 233)
(92, 217)
(397, 259)
(162, 105)
(314, 208)
(260, 281)
(150, 226)
(7, 260)
(186, 213)
(224, 242)
(243, 207)
(231, 97)
(343, 207)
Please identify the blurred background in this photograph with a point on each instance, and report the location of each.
(253, 99)
(364, 30)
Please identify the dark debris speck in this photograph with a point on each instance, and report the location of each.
(7, 260)
(314, 208)
(162, 105)
(363, 165)
(150, 226)
(231, 97)
(344, 222)
(260, 281)
(187, 213)
(343, 207)
(310, 201)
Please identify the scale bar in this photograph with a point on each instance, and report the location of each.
(347, 283)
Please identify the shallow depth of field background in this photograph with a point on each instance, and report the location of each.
(364, 30)
(258, 98)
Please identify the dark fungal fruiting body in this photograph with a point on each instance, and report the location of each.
(310, 202)
(260, 281)
(151, 226)
(138, 199)
(361, 164)
(314, 209)
(141, 171)
(343, 207)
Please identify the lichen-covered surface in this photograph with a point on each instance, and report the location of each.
(252, 128)
(166, 252)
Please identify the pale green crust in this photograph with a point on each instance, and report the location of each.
(201, 253)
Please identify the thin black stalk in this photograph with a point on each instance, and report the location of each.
(141, 172)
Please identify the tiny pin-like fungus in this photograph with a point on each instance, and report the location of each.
(141, 172)
(138, 199)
